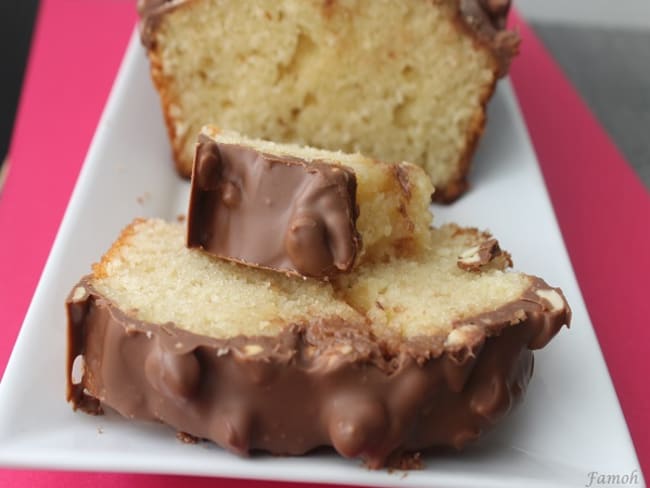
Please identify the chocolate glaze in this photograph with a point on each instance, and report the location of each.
(315, 384)
(487, 19)
(146, 7)
(494, 11)
(274, 212)
(150, 12)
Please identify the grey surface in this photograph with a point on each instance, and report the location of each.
(620, 13)
(16, 23)
(611, 69)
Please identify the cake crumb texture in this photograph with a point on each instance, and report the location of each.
(152, 275)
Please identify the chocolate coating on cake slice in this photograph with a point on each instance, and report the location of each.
(487, 20)
(314, 384)
(273, 212)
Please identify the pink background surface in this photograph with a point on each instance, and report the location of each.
(602, 207)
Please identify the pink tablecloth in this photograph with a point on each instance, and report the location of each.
(602, 207)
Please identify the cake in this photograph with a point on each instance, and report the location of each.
(394, 357)
(397, 80)
(302, 210)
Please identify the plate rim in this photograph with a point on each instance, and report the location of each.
(7, 459)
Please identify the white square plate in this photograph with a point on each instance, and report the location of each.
(569, 424)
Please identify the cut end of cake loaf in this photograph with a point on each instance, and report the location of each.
(253, 201)
(396, 80)
(397, 357)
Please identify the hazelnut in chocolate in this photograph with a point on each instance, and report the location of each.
(398, 80)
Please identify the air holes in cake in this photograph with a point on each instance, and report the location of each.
(310, 100)
(226, 104)
(295, 113)
(408, 72)
(78, 367)
(304, 51)
(401, 112)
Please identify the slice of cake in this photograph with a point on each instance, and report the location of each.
(395, 357)
(398, 80)
(302, 210)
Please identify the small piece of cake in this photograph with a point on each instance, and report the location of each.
(302, 210)
(398, 80)
(392, 358)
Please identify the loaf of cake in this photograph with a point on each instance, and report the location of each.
(397, 80)
(394, 357)
(302, 210)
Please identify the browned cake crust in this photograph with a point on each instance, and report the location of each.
(484, 20)
(315, 384)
